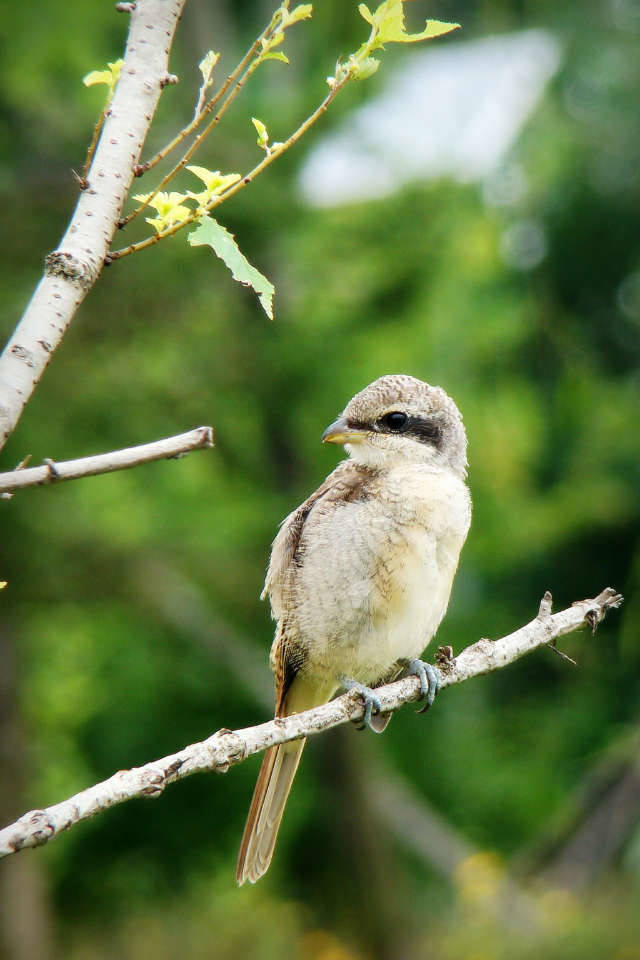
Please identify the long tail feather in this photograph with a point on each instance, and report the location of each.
(267, 806)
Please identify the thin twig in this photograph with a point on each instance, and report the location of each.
(97, 130)
(194, 124)
(52, 472)
(248, 178)
(227, 747)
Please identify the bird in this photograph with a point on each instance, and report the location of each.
(361, 572)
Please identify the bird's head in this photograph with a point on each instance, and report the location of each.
(400, 418)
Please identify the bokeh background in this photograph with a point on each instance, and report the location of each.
(503, 824)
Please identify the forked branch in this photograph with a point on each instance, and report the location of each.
(227, 747)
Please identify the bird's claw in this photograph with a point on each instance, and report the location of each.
(370, 701)
(430, 681)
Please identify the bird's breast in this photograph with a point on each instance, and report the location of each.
(376, 574)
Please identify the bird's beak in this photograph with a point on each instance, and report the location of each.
(341, 432)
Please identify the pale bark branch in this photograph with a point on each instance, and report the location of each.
(227, 747)
(52, 472)
(72, 269)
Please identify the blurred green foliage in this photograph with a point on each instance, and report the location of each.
(543, 362)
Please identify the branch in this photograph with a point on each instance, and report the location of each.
(51, 472)
(72, 269)
(227, 747)
(243, 182)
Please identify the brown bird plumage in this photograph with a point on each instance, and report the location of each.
(360, 574)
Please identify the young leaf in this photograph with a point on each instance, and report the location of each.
(302, 12)
(263, 133)
(275, 56)
(363, 69)
(206, 67)
(388, 25)
(169, 208)
(207, 64)
(214, 181)
(210, 233)
(110, 76)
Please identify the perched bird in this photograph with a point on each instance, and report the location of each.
(360, 574)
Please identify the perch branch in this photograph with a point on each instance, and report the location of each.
(227, 747)
(71, 270)
(51, 472)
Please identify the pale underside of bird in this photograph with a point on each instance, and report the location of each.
(361, 572)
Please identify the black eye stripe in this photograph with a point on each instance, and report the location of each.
(426, 431)
(422, 429)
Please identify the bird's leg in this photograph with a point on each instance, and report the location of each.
(430, 680)
(370, 700)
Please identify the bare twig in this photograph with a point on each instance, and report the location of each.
(227, 747)
(52, 472)
(72, 269)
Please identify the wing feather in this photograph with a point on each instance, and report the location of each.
(346, 482)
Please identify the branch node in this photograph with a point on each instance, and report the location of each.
(208, 436)
(609, 599)
(232, 747)
(125, 7)
(546, 605)
(66, 265)
(82, 182)
(173, 768)
(153, 783)
(52, 471)
(35, 827)
(444, 658)
(168, 80)
(17, 350)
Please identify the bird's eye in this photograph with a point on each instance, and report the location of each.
(395, 421)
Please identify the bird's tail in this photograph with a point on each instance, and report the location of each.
(269, 798)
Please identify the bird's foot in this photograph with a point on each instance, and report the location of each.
(430, 680)
(370, 700)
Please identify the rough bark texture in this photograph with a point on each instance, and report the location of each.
(227, 747)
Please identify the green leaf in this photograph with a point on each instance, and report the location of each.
(363, 69)
(169, 208)
(364, 12)
(388, 25)
(263, 133)
(302, 12)
(274, 56)
(110, 76)
(162, 202)
(214, 181)
(207, 64)
(210, 233)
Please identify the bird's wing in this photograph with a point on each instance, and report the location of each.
(346, 482)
